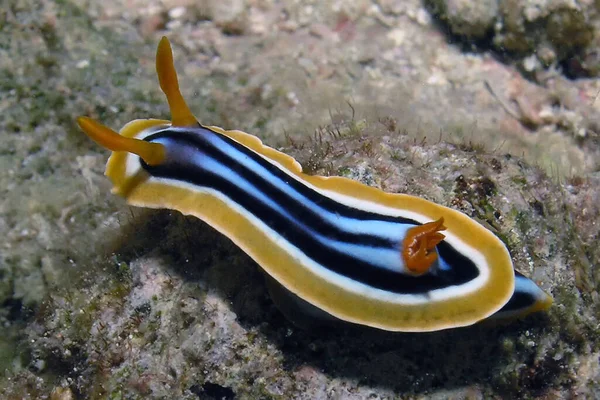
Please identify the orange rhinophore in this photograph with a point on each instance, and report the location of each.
(418, 251)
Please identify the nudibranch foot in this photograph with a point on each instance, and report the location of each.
(296, 310)
(418, 251)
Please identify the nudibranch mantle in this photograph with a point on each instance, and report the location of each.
(333, 242)
(140, 196)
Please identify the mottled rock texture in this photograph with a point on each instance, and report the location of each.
(98, 300)
(550, 32)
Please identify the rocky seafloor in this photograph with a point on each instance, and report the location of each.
(100, 300)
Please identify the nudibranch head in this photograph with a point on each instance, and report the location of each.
(352, 251)
(151, 153)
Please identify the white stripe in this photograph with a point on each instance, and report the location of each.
(133, 166)
(358, 288)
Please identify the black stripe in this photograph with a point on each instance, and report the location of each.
(300, 211)
(462, 269)
(446, 251)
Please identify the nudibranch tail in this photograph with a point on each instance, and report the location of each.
(167, 77)
(527, 298)
(151, 153)
(418, 251)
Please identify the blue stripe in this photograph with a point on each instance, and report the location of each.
(390, 231)
(272, 197)
(383, 257)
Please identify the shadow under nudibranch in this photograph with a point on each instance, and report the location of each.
(489, 353)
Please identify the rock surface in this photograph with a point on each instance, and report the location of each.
(99, 300)
(543, 33)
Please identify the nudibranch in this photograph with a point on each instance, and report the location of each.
(359, 254)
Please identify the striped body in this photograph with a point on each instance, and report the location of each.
(355, 252)
(350, 243)
(338, 238)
